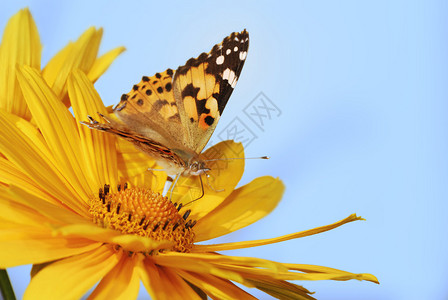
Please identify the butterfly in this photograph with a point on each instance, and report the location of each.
(172, 115)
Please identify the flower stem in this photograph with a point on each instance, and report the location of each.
(5, 286)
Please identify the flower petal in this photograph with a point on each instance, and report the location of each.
(51, 212)
(194, 264)
(103, 62)
(150, 179)
(98, 147)
(33, 158)
(128, 242)
(245, 270)
(242, 207)
(256, 243)
(281, 289)
(164, 284)
(254, 272)
(11, 175)
(31, 245)
(122, 282)
(215, 287)
(76, 55)
(59, 130)
(14, 213)
(132, 162)
(20, 46)
(55, 281)
(151, 279)
(336, 274)
(223, 177)
(211, 261)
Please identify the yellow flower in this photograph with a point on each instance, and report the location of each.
(75, 205)
(21, 45)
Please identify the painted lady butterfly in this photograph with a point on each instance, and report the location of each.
(172, 115)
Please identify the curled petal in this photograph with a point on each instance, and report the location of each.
(256, 243)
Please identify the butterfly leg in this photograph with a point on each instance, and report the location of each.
(202, 191)
(173, 185)
(210, 185)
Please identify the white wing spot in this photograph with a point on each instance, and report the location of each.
(220, 59)
(228, 75)
(243, 55)
(235, 49)
(228, 51)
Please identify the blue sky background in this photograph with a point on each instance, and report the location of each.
(362, 90)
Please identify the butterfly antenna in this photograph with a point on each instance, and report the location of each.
(232, 158)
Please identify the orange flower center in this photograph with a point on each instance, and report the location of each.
(143, 212)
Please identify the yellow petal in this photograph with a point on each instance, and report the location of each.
(150, 179)
(281, 289)
(252, 272)
(324, 273)
(172, 286)
(59, 130)
(31, 245)
(34, 159)
(215, 287)
(223, 177)
(129, 242)
(14, 213)
(77, 55)
(51, 212)
(237, 269)
(242, 207)
(98, 147)
(122, 282)
(151, 279)
(132, 162)
(336, 274)
(213, 260)
(20, 46)
(256, 243)
(163, 284)
(102, 63)
(11, 175)
(194, 264)
(55, 281)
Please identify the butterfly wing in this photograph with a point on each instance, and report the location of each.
(166, 157)
(150, 110)
(204, 84)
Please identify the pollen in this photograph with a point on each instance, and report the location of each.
(142, 212)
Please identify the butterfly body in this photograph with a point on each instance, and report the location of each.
(171, 116)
